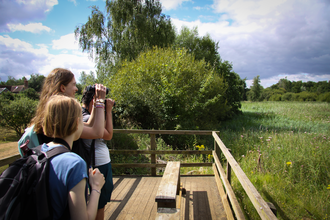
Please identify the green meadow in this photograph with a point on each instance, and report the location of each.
(284, 149)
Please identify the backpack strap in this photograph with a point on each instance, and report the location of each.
(92, 152)
(52, 152)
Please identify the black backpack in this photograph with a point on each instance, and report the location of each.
(24, 187)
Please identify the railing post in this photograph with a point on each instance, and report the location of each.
(153, 156)
(229, 170)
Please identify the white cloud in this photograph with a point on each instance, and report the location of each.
(285, 36)
(31, 27)
(66, 42)
(172, 4)
(21, 11)
(16, 45)
(19, 58)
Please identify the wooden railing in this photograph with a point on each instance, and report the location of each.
(222, 178)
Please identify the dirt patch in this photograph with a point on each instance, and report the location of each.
(8, 149)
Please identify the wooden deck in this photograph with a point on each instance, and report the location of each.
(134, 198)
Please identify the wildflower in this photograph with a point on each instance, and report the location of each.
(269, 137)
(202, 147)
(243, 156)
(328, 187)
(288, 163)
(260, 138)
(268, 140)
(242, 136)
(210, 156)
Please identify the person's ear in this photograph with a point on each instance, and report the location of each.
(62, 88)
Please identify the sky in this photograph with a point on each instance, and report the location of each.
(266, 38)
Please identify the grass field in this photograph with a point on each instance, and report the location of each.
(292, 141)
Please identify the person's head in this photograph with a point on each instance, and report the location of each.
(62, 117)
(87, 98)
(59, 81)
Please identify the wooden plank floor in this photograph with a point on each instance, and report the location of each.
(134, 198)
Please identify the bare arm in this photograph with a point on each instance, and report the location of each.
(95, 127)
(76, 198)
(108, 130)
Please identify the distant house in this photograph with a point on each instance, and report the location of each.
(15, 89)
(3, 90)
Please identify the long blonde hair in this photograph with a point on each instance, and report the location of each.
(61, 116)
(51, 86)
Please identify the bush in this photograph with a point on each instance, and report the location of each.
(289, 96)
(168, 89)
(325, 97)
(275, 97)
(306, 96)
(17, 114)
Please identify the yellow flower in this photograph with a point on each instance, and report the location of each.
(328, 187)
(210, 156)
(288, 163)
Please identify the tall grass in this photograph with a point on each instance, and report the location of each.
(284, 148)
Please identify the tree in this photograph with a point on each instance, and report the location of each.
(17, 114)
(129, 27)
(285, 84)
(204, 48)
(36, 81)
(296, 87)
(256, 89)
(13, 82)
(169, 89)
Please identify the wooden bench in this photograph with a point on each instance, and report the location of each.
(168, 190)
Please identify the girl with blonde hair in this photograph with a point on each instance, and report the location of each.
(67, 171)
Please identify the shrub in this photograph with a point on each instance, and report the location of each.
(17, 114)
(325, 97)
(168, 89)
(306, 96)
(289, 96)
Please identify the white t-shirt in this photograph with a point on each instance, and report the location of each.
(102, 155)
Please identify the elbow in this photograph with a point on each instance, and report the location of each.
(107, 136)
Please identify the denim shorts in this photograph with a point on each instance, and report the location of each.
(107, 188)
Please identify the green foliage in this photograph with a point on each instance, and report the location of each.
(36, 81)
(305, 96)
(87, 79)
(17, 114)
(168, 89)
(324, 97)
(31, 94)
(204, 48)
(13, 82)
(256, 89)
(288, 96)
(129, 27)
(292, 141)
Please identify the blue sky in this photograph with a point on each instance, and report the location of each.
(272, 39)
